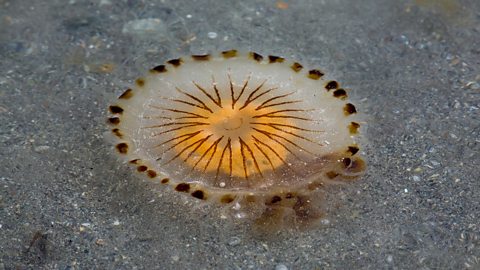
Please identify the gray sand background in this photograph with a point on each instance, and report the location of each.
(66, 202)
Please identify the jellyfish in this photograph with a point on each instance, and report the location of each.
(258, 136)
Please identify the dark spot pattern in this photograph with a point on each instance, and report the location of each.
(349, 109)
(175, 62)
(227, 199)
(183, 187)
(201, 57)
(340, 93)
(255, 56)
(165, 181)
(353, 150)
(134, 161)
(117, 133)
(142, 168)
(116, 109)
(159, 69)
(358, 165)
(331, 85)
(296, 67)
(122, 148)
(275, 59)
(346, 162)
(114, 120)
(315, 74)
(353, 127)
(199, 194)
(140, 82)
(151, 173)
(127, 94)
(331, 174)
(229, 54)
(275, 199)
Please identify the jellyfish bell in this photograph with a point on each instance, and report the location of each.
(258, 135)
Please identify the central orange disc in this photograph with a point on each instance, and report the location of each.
(228, 141)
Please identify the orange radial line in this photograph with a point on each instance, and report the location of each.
(203, 105)
(228, 144)
(294, 134)
(207, 94)
(196, 147)
(189, 135)
(184, 149)
(178, 123)
(252, 155)
(170, 130)
(282, 137)
(235, 99)
(283, 116)
(284, 125)
(214, 146)
(249, 98)
(178, 111)
(213, 153)
(214, 85)
(244, 159)
(265, 155)
(279, 111)
(272, 99)
(278, 104)
(271, 149)
(269, 135)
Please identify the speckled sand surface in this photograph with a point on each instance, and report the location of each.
(66, 202)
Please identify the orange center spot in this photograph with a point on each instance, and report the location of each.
(237, 141)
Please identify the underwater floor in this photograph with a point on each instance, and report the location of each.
(67, 201)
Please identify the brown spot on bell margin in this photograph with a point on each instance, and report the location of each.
(116, 109)
(331, 85)
(165, 181)
(227, 199)
(134, 161)
(201, 57)
(199, 194)
(275, 199)
(114, 120)
(353, 150)
(229, 54)
(315, 74)
(349, 109)
(140, 82)
(331, 174)
(353, 127)
(340, 93)
(117, 132)
(183, 187)
(127, 94)
(151, 173)
(175, 62)
(296, 67)
(275, 59)
(346, 162)
(159, 69)
(142, 168)
(358, 165)
(255, 56)
(122, 148)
